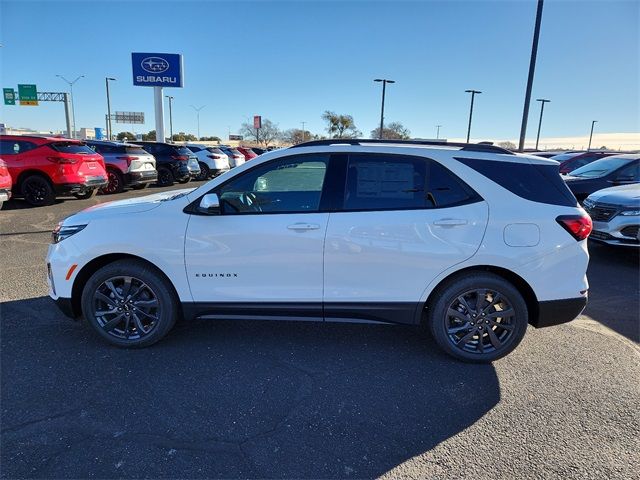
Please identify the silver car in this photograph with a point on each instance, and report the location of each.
(615, 212)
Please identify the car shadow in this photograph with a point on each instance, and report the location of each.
(615, 307)
(227, 399)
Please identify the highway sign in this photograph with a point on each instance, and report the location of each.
(28, 94)
(236, 137)
(9, 96)
(257, 121)
(157, 69)
(129, 117)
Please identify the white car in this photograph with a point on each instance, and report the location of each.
(470, 240)
(213, 161)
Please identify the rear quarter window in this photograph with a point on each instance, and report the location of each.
(535, 182)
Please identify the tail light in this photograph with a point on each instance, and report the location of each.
(182, 158)
(128, 159)
(578, 226)
(62, 160)
(3, 168)
(215, 156)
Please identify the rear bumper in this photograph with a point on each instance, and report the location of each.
(140, 178)
(5, 194)
(91, 183)
(555, 312)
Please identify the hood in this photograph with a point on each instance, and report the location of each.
(624, 195)
(124, 207)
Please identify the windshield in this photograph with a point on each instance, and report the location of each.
(600, 168)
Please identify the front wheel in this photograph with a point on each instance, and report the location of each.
(129, 303)
(478, 317)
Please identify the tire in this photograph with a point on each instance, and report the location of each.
(165, 177)
(205, 172)
(142, 186)
(37, 191)
(477, 334)
(116, 182)
(86, 194)
(150, 293)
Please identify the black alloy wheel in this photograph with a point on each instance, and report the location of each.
(205, 172)
(165, 177)
(37, 191)
(116, 183)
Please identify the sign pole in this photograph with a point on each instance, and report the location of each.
(67, 114)
(159, 107)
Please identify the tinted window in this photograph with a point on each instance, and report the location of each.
(395, 182)
(182, 151)
(535, 182)
(194, 149)
(630, 173)
(13, 147)
(133, 150)
(65, 147)
(601, 167)
(287, 185)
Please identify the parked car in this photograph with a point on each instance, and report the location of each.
(45, 167)
(127, 165)
(258, 151)
(171, 161)
(392, 232)
(5, 183)
(212, 160)
(552, 154)
(235, 157)
(615, 212)
(603, 173)
(247, 152)
(580, 160)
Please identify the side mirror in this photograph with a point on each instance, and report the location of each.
(210, 204)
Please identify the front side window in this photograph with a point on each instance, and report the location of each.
(398, 182)
(630, 173)
(287, 185)
(11, 147)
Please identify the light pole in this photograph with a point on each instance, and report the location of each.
(384, 88)
(73, 103)
(109, 131)
(542, 102)
(438, 132)
(532, 69)
(171, 120)
(593, 122)
(197, 109)
(304, 135)
(473, 94)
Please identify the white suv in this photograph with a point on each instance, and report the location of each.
(471, 241)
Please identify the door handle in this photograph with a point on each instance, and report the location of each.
(304, 226)
(450, 222)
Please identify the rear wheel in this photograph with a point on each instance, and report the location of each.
(165, 177)
(478, 317)
(85, 194)
(205, 172)
(37, 191)
(129, 303)
(116, 182)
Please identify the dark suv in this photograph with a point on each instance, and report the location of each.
(171, 161)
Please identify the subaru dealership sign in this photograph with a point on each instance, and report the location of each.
(157, 69)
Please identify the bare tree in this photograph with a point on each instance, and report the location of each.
(340, 126)
(392, 131)
(267, 135)
(508, 145)
(294, 136)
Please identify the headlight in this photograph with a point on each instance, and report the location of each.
(64, 231)
(630, 212)
(588, 203)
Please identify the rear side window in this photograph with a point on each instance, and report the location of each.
(399, 182)
(65, 147)
(535, 182)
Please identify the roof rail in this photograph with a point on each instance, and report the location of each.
(469, 147)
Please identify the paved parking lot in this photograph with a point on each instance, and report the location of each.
(284, 399)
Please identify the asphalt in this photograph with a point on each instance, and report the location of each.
(298, 400)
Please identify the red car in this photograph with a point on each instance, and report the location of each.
(582, 159)
(5, 183)
(247, 152)
(44, 167)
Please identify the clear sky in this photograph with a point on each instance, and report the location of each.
(290, 61)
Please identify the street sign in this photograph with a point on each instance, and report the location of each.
(129, 117)
(236, 137)
(28, 94)
(257, 121)
(157, 69)
(99, 133)
(9, 96)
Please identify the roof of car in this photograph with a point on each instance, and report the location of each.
(42, 137)
(112, 142)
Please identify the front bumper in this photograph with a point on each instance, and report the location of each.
(90, 183)
(621, 230)
(141, 178)
(65, 306)
(555, 312)
(5, 194)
